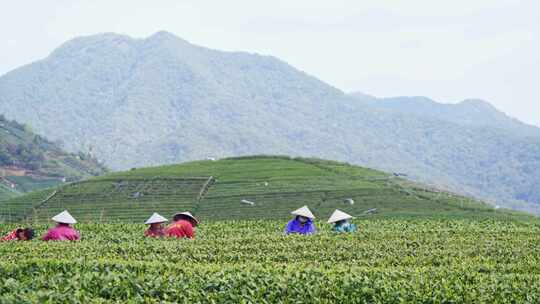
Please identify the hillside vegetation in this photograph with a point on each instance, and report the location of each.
(29, 161)
(161, 100)
(214, 190)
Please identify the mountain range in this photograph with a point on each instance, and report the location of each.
(139, 102)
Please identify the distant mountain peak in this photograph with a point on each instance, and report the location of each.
(103, 40)
(469, 112)
(164, 36)
(92, 41)
(479, 103)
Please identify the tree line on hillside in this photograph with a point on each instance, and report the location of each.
(27, 156)
(21, 148)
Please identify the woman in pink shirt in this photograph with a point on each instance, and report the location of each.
(62, 231)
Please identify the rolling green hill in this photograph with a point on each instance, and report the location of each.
(214, 190)
(29, 161)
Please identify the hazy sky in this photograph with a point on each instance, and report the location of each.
(446, 50)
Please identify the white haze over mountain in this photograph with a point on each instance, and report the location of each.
(449, 51)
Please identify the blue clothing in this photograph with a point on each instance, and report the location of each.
(294, 226)
(344, 227)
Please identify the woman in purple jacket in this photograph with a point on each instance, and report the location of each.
(302, 222)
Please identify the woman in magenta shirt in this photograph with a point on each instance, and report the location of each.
(63, 231)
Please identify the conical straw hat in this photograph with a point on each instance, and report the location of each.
(187, 213)
(304, 211)
(155, 218)
(64, 217)
(337, 216)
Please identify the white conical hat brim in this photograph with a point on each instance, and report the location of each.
(304, 211)
(64, 217)
(187, 214)
(156, 218)
(338, 215)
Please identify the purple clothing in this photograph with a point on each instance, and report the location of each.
(62, 232)
(294, 226)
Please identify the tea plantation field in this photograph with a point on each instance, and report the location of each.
(387, 261)
(415, 245)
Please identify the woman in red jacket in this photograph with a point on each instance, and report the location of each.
(182, 226)
(19, 234)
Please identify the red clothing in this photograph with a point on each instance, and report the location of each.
(61, 233)
(154, 232)
(12, 236)
(180, 229)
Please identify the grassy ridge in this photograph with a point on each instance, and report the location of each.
(214, 190)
